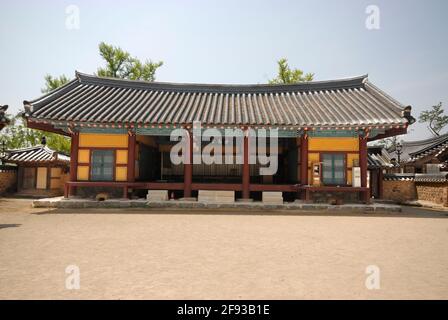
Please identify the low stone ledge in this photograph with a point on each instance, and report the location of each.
(77, 203)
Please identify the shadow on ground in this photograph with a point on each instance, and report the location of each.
(9, 225)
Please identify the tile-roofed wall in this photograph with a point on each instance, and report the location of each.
(35, 154)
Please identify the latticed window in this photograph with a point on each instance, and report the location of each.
(333, 168)
(102, 165)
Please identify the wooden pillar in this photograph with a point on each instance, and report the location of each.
(188, 168)
(131, 157)
(380, 183)
(246, 168)
(304, 161)
(363, 166)
(73, 162)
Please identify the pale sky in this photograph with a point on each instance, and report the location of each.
(233, 42)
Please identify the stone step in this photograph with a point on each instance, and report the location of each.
(272, 197)
(157, 195)
(216, 196)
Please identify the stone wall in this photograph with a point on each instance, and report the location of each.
(399, 190)
(432, 191)
(8, 181)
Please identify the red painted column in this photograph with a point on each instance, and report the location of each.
(188, 168)
(246, 168)
(363, 166)
(304, 161)
(73, 162)
(131, 157)
(380, 183)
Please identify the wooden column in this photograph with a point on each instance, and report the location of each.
(363, 166)
(131, 157)
(188, 168)
(304, 161)
(73, 162)
(380, 183)
(246, 168)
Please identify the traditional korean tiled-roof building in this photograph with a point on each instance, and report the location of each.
(415, 156)
(40, 169)
(119, 131)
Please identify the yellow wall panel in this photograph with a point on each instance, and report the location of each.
(122, 157)
(349, 177)
(350, 159)
(83, 173)
(41, 182)
(121, 173)
(103, 140)
(83, 156)
(313, 157)
(333, 144)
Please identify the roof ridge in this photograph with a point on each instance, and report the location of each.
(219, 87)
(427, 140)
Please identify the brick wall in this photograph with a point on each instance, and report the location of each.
(399, 191)
(434, 192)
(8, 181)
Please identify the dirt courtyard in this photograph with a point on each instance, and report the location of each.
(151, 254)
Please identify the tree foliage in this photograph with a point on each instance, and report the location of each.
(16, 135)
(286, 75)
(52, 83)
(435, 118)
(120, 64)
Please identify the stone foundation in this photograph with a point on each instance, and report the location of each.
(272, 197)
(157, 195)
(216, 196)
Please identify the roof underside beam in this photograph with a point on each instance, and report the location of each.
(45, 127)
(389, 133)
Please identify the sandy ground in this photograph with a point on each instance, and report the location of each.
(188, 255)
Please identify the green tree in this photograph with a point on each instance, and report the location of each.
(120, 64)
(435, 118)
(16, 135)
(286, 75)
(52, 83)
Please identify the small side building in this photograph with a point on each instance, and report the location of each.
(41, 170)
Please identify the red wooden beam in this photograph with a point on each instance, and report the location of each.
(45, 127)
(74, 161)
(131, 158)
(246, 169)
(390, 133)
(363, 165)
(188, 168)
(304, 161)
